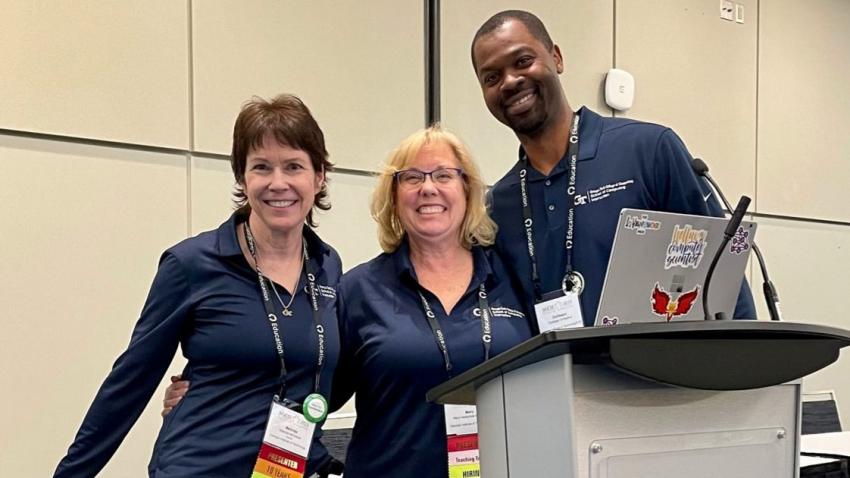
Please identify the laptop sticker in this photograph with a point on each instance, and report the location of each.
(641, 224)
(740, 242)
(687, 247)
(665, 306)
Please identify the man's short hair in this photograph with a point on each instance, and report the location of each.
(530, 20)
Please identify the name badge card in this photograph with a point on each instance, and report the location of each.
(286, 444)
(462, 438)
(558, 311)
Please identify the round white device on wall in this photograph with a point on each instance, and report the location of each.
(619, 89)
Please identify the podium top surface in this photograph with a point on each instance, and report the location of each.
(711, 355)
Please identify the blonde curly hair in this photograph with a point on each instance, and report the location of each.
(477, 229)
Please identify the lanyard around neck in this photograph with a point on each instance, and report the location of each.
(273, 319)
(439, 336)
(527, 213)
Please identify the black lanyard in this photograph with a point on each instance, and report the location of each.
(486, 329)
(527, 215)
(272, 317)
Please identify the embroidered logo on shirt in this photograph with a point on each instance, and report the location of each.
(506, 312)
(324, 291)
(602, 192)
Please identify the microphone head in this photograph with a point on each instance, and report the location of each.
(699, 167)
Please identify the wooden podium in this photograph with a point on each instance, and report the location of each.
(688, 399)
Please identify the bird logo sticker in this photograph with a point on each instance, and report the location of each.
(664, 305)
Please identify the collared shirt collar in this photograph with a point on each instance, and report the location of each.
(228, 243)
(481, 269)
(590, 130)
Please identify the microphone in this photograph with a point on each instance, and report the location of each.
(731, 227)
(771, 296)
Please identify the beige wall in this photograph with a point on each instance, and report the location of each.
(161, 81)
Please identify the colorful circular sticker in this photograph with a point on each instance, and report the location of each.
(315, 408)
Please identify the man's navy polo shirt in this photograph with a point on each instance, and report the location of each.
(206, 298)
(391, 359)
(622, 164)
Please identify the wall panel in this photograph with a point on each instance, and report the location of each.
(359, 69)
(84, 228)
(810, 265)
(115, 71)
(696, 73)
(587, 51)
(804, 111)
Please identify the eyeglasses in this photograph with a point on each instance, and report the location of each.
(415, 177)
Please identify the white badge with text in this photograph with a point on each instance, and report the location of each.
(558, 311)
(462, 441)
(286, 444)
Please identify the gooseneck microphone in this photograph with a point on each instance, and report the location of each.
(771, 297)
(731, 227)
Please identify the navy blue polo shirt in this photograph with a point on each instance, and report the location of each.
(622, 163)
(391, 359)
(206, 298)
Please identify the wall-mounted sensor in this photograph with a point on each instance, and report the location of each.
(619, 89)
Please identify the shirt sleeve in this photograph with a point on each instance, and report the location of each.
(343, 382)
(677, 186)
(135, 374)
(680, 190)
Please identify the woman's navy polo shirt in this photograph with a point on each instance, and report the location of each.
(622, 163)
(206, 298)
(391, 359)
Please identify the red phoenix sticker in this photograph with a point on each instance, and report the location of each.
(663, 305)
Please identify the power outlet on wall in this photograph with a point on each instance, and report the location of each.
(727, 10)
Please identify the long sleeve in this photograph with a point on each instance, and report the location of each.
(135, 374)
(343, 382)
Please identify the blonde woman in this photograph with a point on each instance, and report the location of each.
(412, 318)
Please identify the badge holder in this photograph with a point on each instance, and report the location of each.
(462, 441)
(288, 436)
(561, 309)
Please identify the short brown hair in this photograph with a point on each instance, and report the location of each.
(477, 227)
(289, 120)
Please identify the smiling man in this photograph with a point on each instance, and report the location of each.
(557, 208)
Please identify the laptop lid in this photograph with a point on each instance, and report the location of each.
(658, 265)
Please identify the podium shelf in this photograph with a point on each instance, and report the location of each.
(708, 355)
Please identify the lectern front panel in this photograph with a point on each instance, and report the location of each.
(626, 427)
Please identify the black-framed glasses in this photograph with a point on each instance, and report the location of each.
(415, 177)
